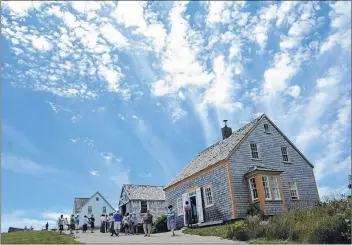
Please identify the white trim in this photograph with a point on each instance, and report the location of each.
(179, 207)
(275, 188)
(282, 154)
(250, 148)
(293, 188)
(266, 186)
(251, 189)
(206, 204)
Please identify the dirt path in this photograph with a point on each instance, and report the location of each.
(180, 237)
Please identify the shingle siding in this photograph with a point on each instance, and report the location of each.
(217, 178)
(270, 156)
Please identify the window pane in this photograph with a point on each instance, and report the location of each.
(144, 206)
(254, 151)
(253, 188)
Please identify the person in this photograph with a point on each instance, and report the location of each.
(46, 226)
(171, 220)
(134, 223)
(31, 228)
(147, 223)
(77, 223)
(108, 222)
(61, 223)
(66, 223)
(72, 224)
(116, 224)
(126, 223)
(188, 213)
(25, 228)
(102, 223)
(92, 221)
(85, 224)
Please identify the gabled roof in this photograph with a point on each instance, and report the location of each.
(215, 153)
(144, 192)
(91, 199)
(79, 203)
(223, 149)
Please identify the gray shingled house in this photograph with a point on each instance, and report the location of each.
(255, 165)
(140, 198)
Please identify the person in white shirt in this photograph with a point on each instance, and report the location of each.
(102, 223)
(85, 224)
(61, 223)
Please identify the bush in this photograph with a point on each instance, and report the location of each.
(160, 225)
(256, 230)
(254, 210)
(238, 231)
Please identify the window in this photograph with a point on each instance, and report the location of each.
(253, 188)
(293, 190)
(275, 188)
(266, 128)
(97, 198)
(192, 194)
(89, 209)
(144, 207)
(179, 206)
(208, 196)
(266, 187)
(284, 154)
(254, 150)
(104, 210)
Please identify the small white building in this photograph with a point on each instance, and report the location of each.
(96, 205)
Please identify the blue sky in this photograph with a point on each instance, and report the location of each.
(98, 94)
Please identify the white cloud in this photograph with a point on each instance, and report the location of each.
(22, 218)
(130, 13)
(145, 175)
(85, 6)
(21, 8)
(41, 43)
(112, 35)
(94, 172)
(293, 91)
(277, 77)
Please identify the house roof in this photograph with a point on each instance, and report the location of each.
(261, 168)
(144, 192)
(215, 153)
(88, 199)
(79, 203)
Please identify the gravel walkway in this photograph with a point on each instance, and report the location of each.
(180, 237)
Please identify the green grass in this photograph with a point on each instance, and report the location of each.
(219, 231)
(36, 237)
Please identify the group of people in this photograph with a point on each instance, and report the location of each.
(73, 224)
(113, 223)
(129, 223)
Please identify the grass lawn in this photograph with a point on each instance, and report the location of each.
(221, 231)
(36, 237)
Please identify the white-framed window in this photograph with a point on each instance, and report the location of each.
(97, 199)
(144, 207)
(284, 154)
(292, 185)
(104, 210)
(208, 196)
(90, 209)
(254, 150)
(266, 128)
(266, 187)
(179, 206)
(253, 187)
(276, 188)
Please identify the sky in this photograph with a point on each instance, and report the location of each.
(100, 94)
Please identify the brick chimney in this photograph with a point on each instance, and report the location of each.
(226, 131)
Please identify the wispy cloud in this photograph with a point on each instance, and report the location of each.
(94, 172)
(145, 175)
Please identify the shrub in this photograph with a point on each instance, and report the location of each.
(254, 210)
(160, 225)
(238, 231)
(256, 230)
